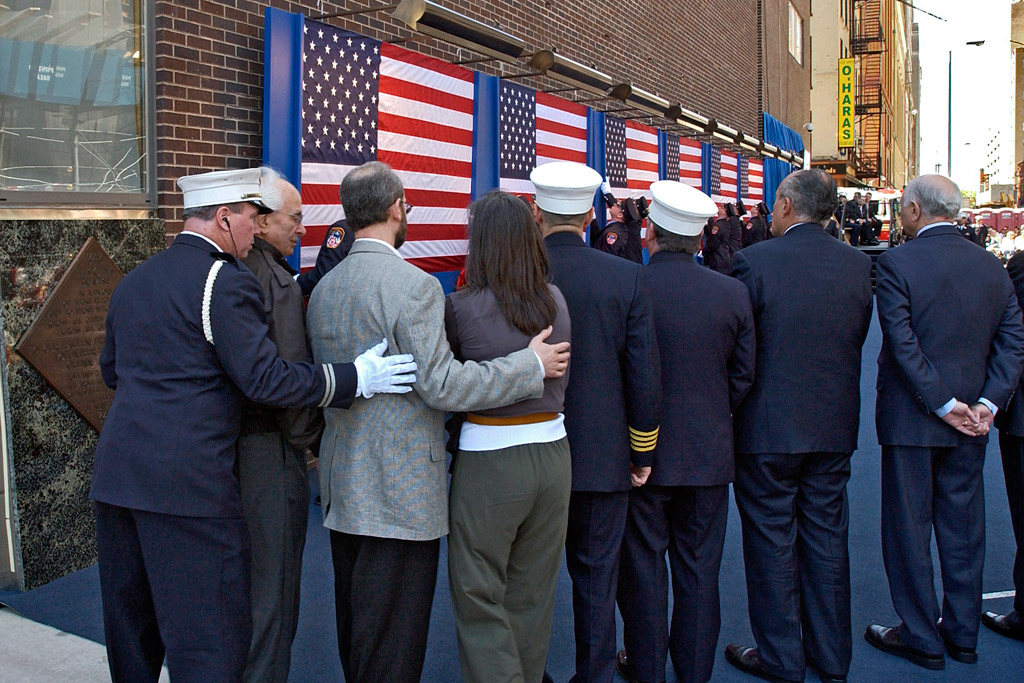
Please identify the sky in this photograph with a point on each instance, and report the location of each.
(982, 86)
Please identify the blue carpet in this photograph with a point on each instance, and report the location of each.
(72, 603)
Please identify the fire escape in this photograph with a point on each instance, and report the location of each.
(868, 45)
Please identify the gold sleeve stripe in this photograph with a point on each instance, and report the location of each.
(644, 449)
(643, 442)
(637, 432)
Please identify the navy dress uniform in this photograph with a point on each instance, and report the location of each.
(611, 406)
(186, 343)
(1011, 447)
(795, 434)
(705, 331)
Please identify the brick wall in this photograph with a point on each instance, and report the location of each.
(786, 90)
(209, 62)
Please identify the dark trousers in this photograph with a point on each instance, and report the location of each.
(383, 592)
(275, 499)
(1012, 450)
(174, 587)
(597, 521)
(687, 522)
(941, 488)
(795, 519)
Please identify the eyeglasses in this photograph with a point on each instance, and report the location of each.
(407, 205)
(296, 217)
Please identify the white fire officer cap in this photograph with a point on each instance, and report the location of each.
(565, 187)
(222, 187)
(679, 208)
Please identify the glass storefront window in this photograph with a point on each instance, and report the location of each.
(75, 103)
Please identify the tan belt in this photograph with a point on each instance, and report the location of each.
(530, 419)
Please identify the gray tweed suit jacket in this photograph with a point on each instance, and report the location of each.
(382, 461)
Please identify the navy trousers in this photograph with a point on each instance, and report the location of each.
(1011, 449)
(795, 519)
(175, 588)
(688, 523)
(597, 521)
(941, 488)
(383, 592)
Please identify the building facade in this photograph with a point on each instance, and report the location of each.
(879, 36)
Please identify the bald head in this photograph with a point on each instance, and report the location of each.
(929, 199)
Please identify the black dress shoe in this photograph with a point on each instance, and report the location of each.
(1003, 625)
(746, 660)
(888, 640)
(547, 678)
(964, 655)
(622, 666)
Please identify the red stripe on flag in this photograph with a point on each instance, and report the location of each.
(417, 163)
(422, 93)
(439, 264)
(549, 126)
(426, 62)
(559, 103)
(431, 231)
(553, 152)
(320, 194)
(436, 198)
(424, 129)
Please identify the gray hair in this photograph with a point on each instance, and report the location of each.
(813, 193)
(368, 192)
(270, 189)
(671, 242)
(207, 213)
(936, 194)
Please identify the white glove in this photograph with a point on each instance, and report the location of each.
(605, 187)
(380, 374)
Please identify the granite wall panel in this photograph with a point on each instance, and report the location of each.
(51, 445)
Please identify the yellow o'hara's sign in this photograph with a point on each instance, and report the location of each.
(846, 102)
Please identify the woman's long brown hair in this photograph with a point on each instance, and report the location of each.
(507, 255)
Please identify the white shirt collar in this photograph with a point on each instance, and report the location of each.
(202, 237)
(374, 239)
(929, 226)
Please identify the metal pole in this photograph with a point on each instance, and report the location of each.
(949, 119)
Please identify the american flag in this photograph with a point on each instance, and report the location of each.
(536, 128)
(631, 157)
(723, 175)
(364, 100)
(683, 160)
(753, 183)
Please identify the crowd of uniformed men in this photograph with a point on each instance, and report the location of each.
(683, 380)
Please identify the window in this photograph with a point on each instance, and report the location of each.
(796, 35)
(75, 104)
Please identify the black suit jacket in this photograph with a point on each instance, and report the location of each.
(612, 402)
(705, 332)
(811, 296)
(951, 327)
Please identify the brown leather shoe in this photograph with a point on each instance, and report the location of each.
(888, 640)
(1004, 624)
(746, 660)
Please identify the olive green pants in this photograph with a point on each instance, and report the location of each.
(508, 512)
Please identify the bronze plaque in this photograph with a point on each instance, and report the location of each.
(64, 341)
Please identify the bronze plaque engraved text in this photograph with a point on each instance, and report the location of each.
(64, 341)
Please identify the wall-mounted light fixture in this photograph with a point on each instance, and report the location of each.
(440, 22)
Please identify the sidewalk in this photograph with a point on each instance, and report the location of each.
(35, 653)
